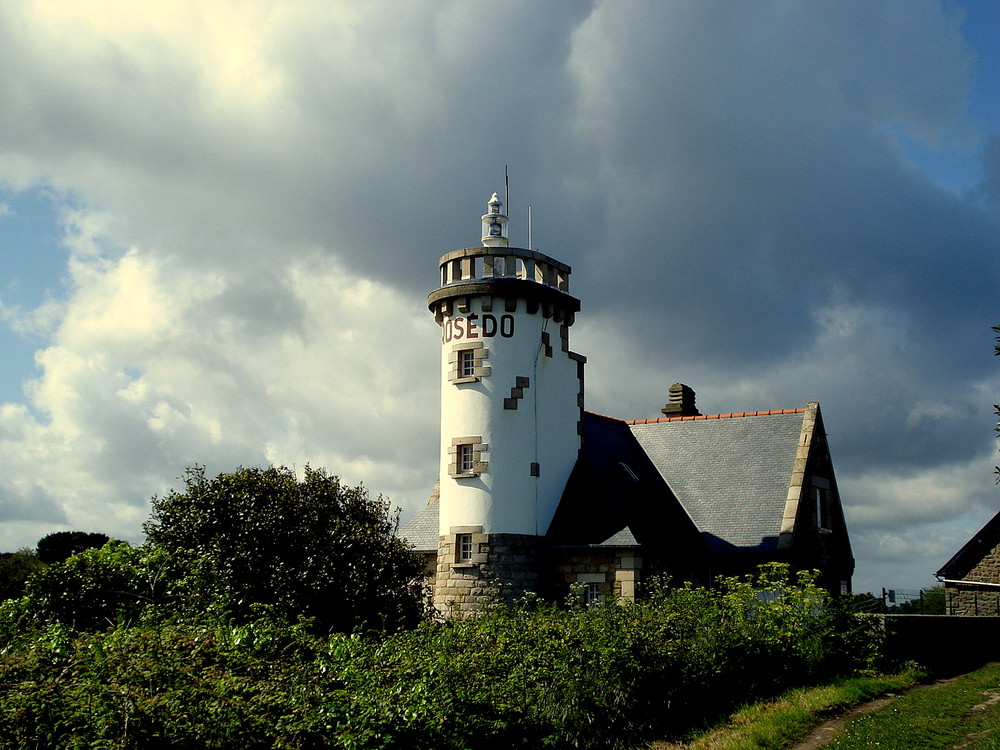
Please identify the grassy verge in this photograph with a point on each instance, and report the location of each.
(780, 723)
(964, 713)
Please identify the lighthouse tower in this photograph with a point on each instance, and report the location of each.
(511, 411)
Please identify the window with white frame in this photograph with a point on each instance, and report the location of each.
(466, 363)
(821, 498)
(592, 595)
(463, 548)
(465, 458)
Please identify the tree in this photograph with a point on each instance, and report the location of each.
(932, 601)
(312, 548)
(15, 569)
(61, 545)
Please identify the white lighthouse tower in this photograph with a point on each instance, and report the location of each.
(511, 411)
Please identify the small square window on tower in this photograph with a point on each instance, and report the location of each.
(463, 548)
(466, 456)
(465, 459)
(467, 362)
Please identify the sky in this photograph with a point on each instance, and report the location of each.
(219, 223)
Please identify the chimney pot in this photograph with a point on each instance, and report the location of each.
(680, 402)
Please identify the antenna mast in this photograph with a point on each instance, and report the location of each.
(506, 191)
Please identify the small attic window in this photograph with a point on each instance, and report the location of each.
(628, 471)
(822, 509)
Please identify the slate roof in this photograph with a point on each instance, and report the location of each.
(615, 497)
(730, 472)
(421, 531)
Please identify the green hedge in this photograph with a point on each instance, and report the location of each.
(530, 676)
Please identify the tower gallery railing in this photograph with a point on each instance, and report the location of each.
(486, 263)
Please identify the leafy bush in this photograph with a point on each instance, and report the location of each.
(312, 548)
(97, 588)
(15, 569)
(534, 675)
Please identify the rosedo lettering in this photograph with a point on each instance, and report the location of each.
(476, 326)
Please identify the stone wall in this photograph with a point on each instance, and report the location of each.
(987, 569)
(946, 645)
(503, 568)
(615, 572)
(972, 601)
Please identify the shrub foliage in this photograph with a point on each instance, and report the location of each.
(533, 675)
(312, 548)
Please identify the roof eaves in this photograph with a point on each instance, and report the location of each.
(733, 415)
(975, 549)
(605, 416)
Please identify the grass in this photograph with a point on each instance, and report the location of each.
(964, 713)
(781, 723)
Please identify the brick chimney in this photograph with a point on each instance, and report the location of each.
(680, 402)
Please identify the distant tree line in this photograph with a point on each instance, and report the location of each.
(17, 567)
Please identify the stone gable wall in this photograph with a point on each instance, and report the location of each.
(970, 600)
(987, 569)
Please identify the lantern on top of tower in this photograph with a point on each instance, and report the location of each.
(494, 224)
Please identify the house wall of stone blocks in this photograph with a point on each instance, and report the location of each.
(972, 599)
(615, 572)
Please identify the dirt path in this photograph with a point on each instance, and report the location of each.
(822, 734)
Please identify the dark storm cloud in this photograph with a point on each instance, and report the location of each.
(729, 181)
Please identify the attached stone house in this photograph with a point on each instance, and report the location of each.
(692, 497)
(971, 577)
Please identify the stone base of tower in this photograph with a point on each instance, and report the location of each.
(475, 570)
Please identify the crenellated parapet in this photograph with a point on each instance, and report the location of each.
(507, 273)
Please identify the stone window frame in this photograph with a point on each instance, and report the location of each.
(477, 543)
(470, 448)
(479, 370)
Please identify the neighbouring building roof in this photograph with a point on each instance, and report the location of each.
(982, 543)
(615, 497)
